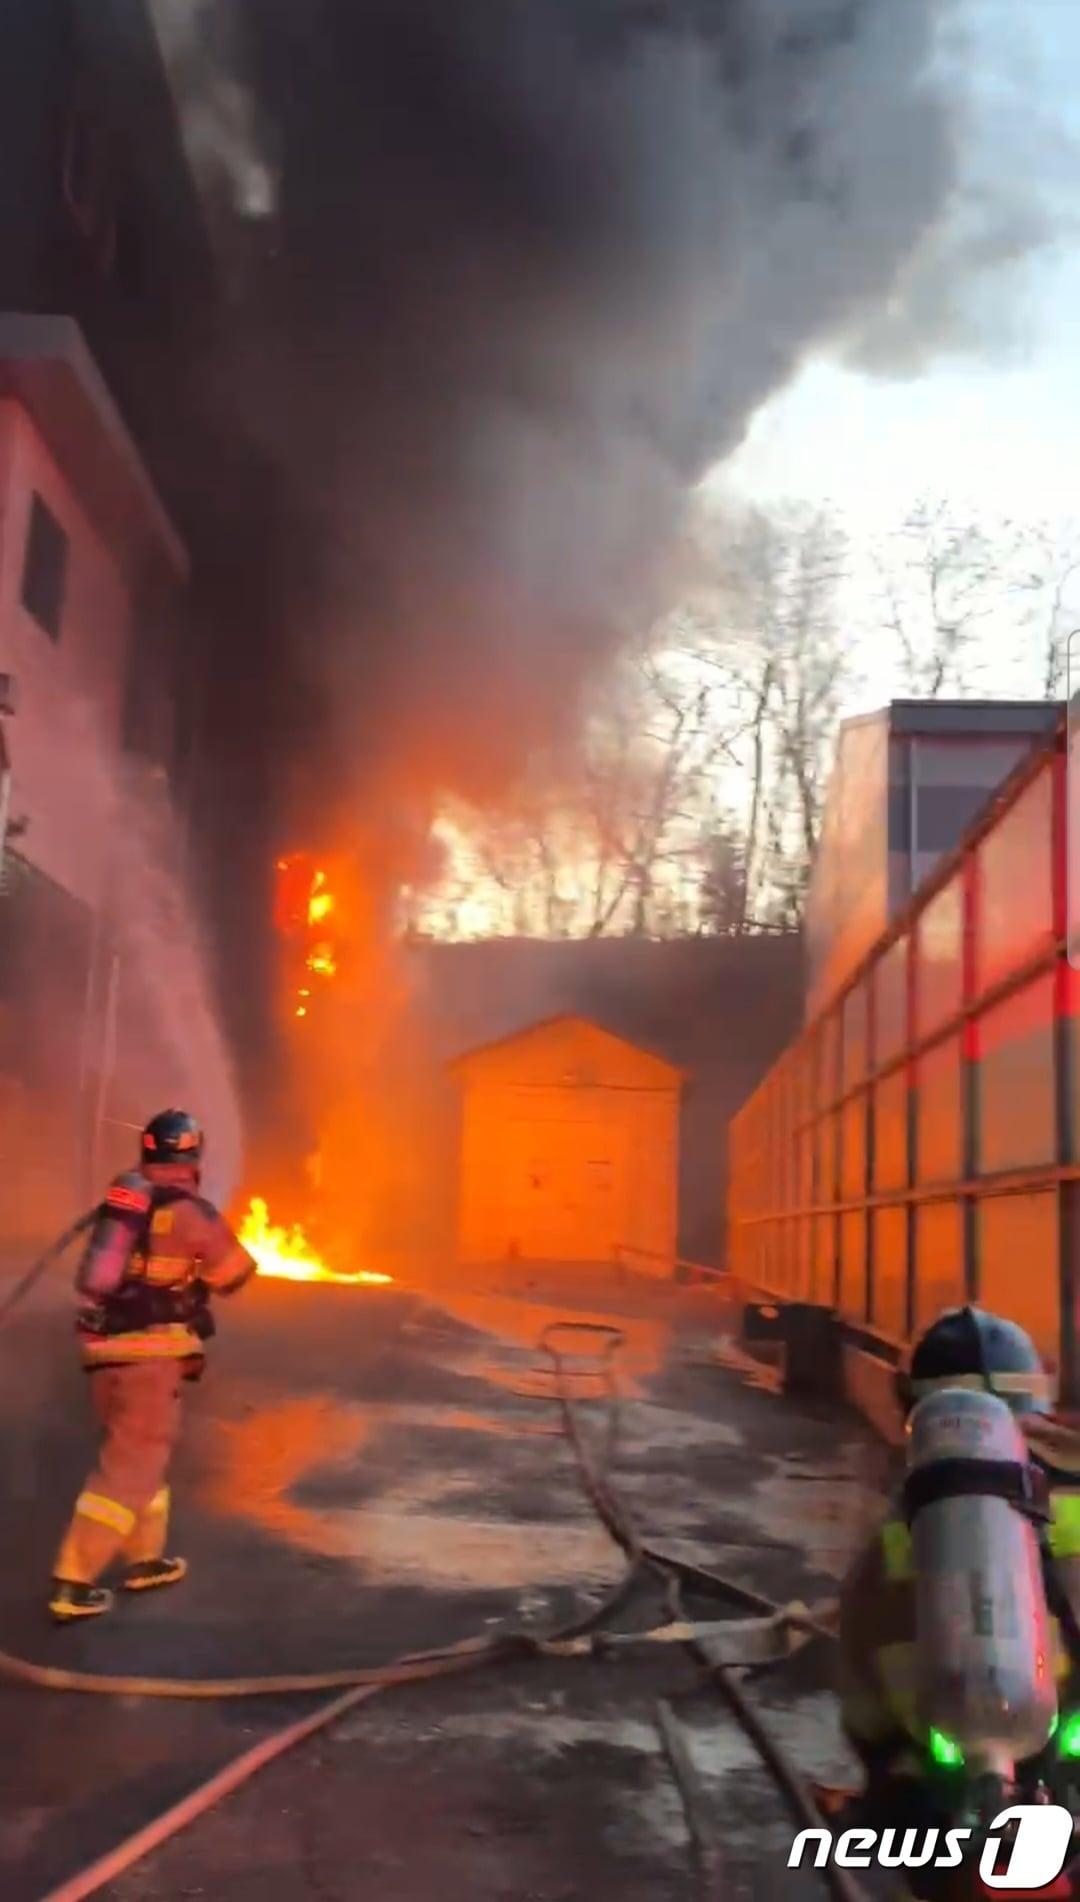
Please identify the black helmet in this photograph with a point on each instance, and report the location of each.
(172, 1136)
(966, 1347)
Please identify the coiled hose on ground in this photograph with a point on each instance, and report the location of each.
(355, 1687)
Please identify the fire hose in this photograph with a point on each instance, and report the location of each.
(37, 1268)
(618, 1522)
(715, 1646)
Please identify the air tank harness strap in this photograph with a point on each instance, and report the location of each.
(1021, 1485)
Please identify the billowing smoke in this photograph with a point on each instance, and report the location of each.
(533, 269)
(507, 276)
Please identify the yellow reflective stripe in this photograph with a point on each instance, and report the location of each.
(1065, 1525)
(171, 1342)
(1039, 1386)
(896, 1551)
(163, 1270)
(105, 1512)
(1064, 1537)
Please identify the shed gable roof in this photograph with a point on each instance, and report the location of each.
(564, 1049)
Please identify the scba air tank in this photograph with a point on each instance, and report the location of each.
(984, 1651)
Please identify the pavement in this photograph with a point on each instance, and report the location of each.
(367, 1472)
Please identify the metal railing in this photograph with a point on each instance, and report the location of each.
(679, 1269)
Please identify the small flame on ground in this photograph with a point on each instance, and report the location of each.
(288, 1255)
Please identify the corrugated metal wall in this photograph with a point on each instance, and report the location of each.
(921, 1141)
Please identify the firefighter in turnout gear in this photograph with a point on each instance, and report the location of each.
(965, 1348)
(156, 1253)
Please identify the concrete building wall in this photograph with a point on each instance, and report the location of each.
(88, 560)
(65, 740)
(107, 290)
(99, 218)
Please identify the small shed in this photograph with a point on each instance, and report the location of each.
(570, 1148)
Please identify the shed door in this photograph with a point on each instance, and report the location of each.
(565, 1190)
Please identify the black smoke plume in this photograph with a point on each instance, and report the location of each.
(503, 278)
(507, 275)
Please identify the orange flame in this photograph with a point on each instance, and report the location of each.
(287, 1255)
(321, 902)
(306, 910)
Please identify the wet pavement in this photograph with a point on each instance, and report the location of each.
(366, 1473)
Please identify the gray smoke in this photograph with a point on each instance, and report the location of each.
(962, 289)
(507, 276)
(531, 267)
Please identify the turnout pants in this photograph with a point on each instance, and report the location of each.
(123, 1509)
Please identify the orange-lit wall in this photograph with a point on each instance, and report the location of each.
(920, 1143)
(569, 1149)
(71, 691)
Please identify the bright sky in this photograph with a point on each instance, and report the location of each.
(994, 425)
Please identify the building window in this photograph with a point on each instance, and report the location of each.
(44, 577)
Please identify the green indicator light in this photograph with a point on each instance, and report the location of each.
(1069, 1735)
(949, 1755)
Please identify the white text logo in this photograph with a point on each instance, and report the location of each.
(1031, 1841)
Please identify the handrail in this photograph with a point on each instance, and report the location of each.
(696, 1269)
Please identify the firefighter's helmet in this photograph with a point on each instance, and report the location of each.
(172, 1136)
(967, 1347)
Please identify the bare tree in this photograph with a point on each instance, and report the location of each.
(695, 801)
(780, 624)
(656, 749)
(989, 602)
(812, 676)
(722, 895)
(1045, 585)
(614, 843)
(937, 580)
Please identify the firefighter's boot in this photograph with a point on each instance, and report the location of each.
(70, 1601)
(149, 1574)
